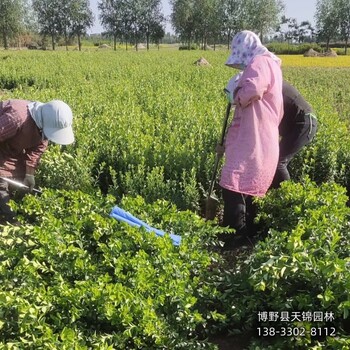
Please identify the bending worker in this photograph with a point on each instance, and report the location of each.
(25, 129)
(297, 129)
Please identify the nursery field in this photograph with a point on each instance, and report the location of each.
(146, 126)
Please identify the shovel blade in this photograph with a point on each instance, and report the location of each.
(211, 205)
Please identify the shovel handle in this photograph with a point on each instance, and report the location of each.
(19, 184)
(222, 138)
(224, 124)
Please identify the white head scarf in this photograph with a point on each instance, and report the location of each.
(54, 119)
(245, 46)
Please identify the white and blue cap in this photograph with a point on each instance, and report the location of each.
(55, 119)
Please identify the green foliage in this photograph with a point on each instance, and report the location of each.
(191, 47)
(56, 19)
(292, 49)
(130, 132)
(327, 157)
(73, 277)
(132, 20)
(11, 13)
(332, 19)
(66, 170)
(153, 131)
(302, 266)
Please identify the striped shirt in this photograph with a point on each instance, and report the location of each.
(21, 143)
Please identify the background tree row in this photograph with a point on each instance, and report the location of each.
(194, 21)
(132, 20)
(333, 20)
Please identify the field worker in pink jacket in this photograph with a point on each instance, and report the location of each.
(25, 129)
(252, 140)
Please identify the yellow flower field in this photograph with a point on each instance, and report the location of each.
(301, 61)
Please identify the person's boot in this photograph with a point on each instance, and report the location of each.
(238, 241)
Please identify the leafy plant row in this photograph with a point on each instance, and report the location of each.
(147, 122)
(301, 266)
(74, 278)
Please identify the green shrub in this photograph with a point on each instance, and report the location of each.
(75, 278)
(292, 49)
(302, 266)
(153, 132)
(66, 169)
(186, 47)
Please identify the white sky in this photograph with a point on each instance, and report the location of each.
(302, 10)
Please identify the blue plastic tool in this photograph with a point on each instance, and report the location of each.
(122, 215)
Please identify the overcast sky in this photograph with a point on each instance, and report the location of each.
(302, 10)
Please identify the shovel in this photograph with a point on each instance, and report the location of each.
(212, 201)
(19, 184)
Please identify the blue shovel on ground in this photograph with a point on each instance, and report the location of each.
(122, 215)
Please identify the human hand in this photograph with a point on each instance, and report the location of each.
(29, 180)
(229, 96)
(220, 150)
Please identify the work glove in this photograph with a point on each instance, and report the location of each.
(229, 96)
(29, 181)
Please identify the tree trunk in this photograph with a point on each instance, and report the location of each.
(79, 42)
(346, 46)
(261, 35)
(66, 40)
(147, 37)
(53, 42)
(147, 40)
(4, 38)
(115, 42)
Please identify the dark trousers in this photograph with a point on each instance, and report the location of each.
(291, 143)
(239, 212)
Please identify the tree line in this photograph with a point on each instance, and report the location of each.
(333, 20)
(49, 18)
(194, 21)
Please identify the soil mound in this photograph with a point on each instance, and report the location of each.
(202, 62)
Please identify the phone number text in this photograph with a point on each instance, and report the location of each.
(296, 332)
